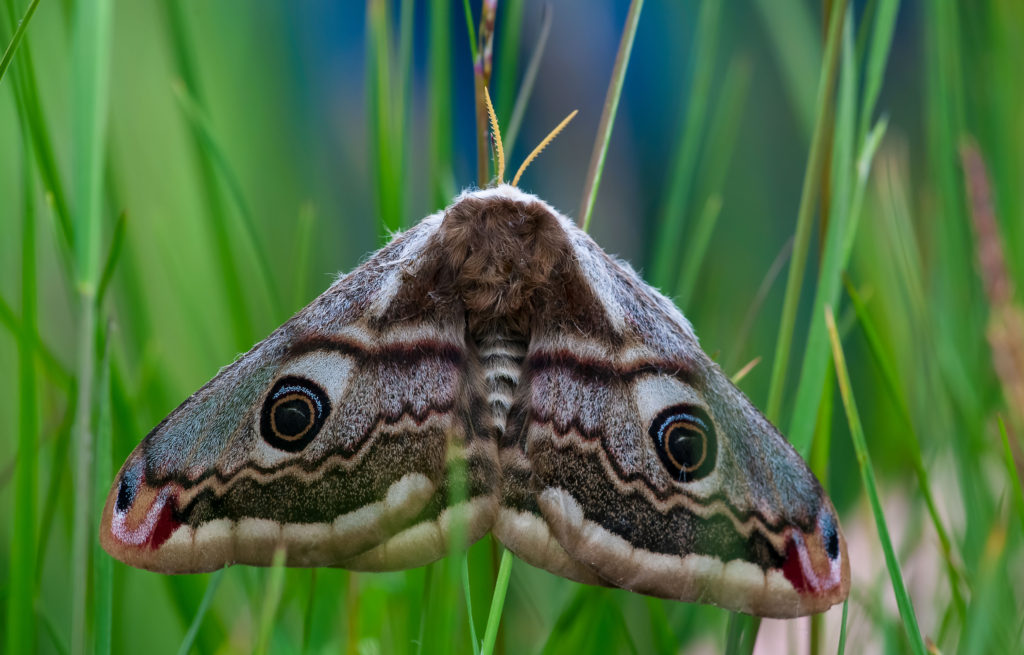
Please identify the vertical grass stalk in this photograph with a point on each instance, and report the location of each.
(213, 196)
(271, 600)
(805, 214)
(683, 175)
(102, 583)
(19, 32)
(193, 629)
(439, 61)
(482, 63)
(93, 27)
(867, 472)
(21, 593)
(497, 603)
(611, 107)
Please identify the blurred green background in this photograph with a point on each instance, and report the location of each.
(179, 177)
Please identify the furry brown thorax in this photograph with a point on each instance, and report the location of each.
(502, 260)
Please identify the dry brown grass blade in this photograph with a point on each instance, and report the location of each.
(1005, 330)
(482, 77)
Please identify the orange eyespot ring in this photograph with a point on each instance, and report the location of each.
(293, 413)
(684, 438)
(292, 416)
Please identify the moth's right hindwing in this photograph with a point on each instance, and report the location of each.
(331, 438)
(636, 463)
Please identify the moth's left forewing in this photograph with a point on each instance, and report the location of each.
(331, 438)
(654, 472)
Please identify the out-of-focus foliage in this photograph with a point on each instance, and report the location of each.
(233, 156)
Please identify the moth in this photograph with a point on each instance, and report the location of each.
(597, 439)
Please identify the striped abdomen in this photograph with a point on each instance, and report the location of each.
(501, 358)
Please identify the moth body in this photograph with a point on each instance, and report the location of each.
(598, 440)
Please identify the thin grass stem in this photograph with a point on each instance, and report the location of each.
(21, 624)
(439, 61)
(19, 32)
(805, 215)
(204, 605)
(903, 601)
(102, 578)
(529, 79)
(271, 600)
(90, 95)
(683, 178)
(611, 108)
(497, 603)
(896, 393)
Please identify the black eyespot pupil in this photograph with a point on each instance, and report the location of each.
(294, 411)
(685, 442)
(292, 417)
(687, 447)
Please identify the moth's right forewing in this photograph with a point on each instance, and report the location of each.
(235, 472)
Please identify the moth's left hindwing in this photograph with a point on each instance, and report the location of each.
(331, 438)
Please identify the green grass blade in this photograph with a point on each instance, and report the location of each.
(884, 25)
(444, 607)
(466, 593)
(903, 601)
(696, 247)
(470, 29)
(508, 59)
(497, 603)
(48, 360)
(741, 633)
(26, 95)
(200, 124)
(795, 39)
(1017, 490)
(93, 28)
(271, 601)
(51, 631)
(193, 629)
(843, 224)
(841, 648)
(896, 393)
(307, 618)
(113, 254)
(19, 32)
(381, 109)
(102, 574)
(21, 624)
(611, 107)
(721, 143)
(403, 105)
(228, 270)
(59, 462)
(683, 178)
(805, 215)
(743, 333)
(529, 79)
(439, 57)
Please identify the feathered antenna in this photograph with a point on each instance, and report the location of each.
(497, 136)
(543, 144)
